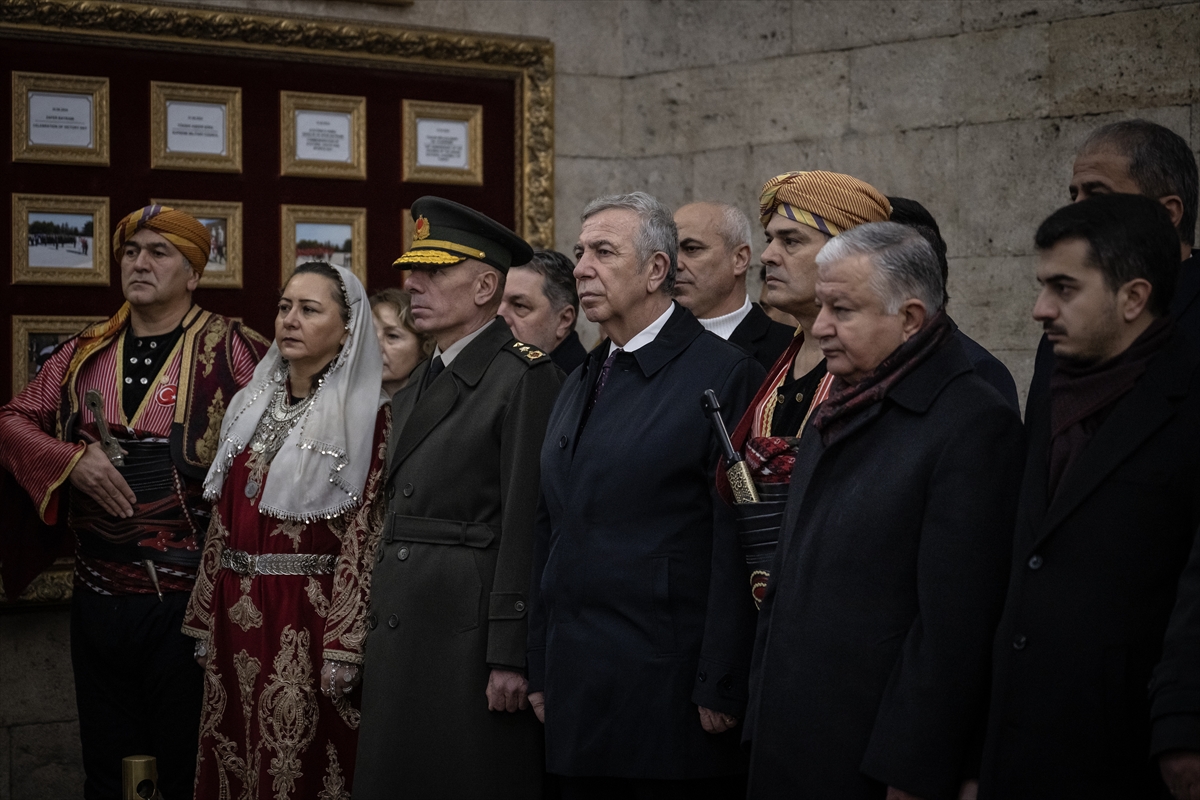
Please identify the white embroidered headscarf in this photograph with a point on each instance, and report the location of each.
(322, 467)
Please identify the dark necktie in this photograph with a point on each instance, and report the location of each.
(435, 369)
(600, 381)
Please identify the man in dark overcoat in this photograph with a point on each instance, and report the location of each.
(1136, 156)
(445, 713)
(871, 661)
(1108, 515)
(714, 257)
(641, 627)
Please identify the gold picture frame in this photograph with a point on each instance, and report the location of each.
(224, 223)
(195, 127)
(52, 243)
(315, 129)
(433, 132)
(326, 235)
(73, 131)
(34, 339)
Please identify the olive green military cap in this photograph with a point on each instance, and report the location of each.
(445, 233)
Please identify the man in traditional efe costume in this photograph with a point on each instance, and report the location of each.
(800, 212)
(162, 370)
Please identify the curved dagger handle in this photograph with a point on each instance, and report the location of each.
(95, 403)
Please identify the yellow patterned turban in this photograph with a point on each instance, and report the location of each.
(179, 228)
(828, 201)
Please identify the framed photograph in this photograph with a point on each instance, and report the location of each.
(224, 223)
(195, 127)
(34, 340)
(442, 142)
(323, 135)
(60, 239)
(60, 118)
(331, 234)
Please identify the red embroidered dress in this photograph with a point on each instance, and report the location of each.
(266, 730)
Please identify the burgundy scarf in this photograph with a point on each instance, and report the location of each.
(1081, 397)
(847, 401)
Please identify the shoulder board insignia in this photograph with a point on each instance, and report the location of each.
(528, 351)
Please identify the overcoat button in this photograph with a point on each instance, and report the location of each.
(408, 490)
(562, 443)
(402, 553)
(393, 621)
(1019, 643)
(703, 676)
(379, 555)
(372, 621)
(519, 605)
(726, 683)
(1035, 562)
(391, 492)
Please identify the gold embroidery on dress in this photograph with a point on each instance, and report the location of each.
(334, 782)
(317, 597)
(212, 337)
(293, 529)
(248, 667)
(359, 531)
(206, 445)
(199, 609)
(244, 614)
(287, 710)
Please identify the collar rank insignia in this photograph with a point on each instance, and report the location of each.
(533, 355)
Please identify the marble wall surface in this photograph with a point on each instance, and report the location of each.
(973, 107)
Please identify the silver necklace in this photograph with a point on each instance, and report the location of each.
(273, 428)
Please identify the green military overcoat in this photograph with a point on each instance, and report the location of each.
(450, 585)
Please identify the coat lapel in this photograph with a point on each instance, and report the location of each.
(1033, 501)
(428, 406)
(1148, 406)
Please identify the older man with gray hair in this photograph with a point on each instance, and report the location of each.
(871, 663)
(714, 255)
(640, 627)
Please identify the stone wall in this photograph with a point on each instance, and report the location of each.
(973, 107)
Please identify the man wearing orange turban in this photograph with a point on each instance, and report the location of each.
(161, 371)
(800, 212)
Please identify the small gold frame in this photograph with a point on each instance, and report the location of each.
(95, 207)
(26, 327)
(228, 276)
(25, 83)
(228, 96)
(414, 111)
(356, 218)
(291, 164)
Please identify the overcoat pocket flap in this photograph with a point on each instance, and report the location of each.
(439, 531)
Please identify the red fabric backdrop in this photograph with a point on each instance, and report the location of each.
(129, 183)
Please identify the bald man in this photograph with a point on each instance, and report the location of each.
(714, 256)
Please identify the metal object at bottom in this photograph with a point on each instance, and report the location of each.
(139, 778)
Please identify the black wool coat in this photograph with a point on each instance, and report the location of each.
(1094, 576)
(762, 337)
(872, 657)
(640, 610)
(450, 585)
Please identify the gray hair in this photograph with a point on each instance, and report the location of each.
(905, 265)
(657, 233)
(733, 226)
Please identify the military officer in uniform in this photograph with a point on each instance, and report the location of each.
(445, 712)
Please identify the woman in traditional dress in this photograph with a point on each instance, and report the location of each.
(279, 608)
(402, 345)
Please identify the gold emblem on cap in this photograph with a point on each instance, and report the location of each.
(421, 229)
